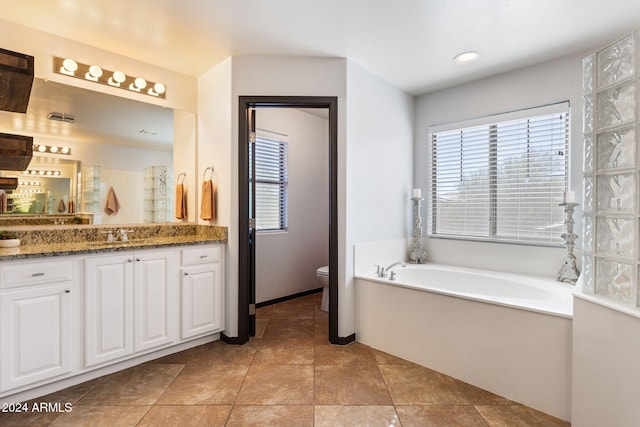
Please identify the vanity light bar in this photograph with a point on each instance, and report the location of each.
(44, 173)
(53, 149)
(94, 73)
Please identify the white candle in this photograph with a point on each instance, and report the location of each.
(569, 197)
(417, 193)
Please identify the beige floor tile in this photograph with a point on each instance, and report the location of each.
(261, 325)
(217, 353)
(102, 416)
(277, 385)
(186, 416)
(140, 385)
(271, 415)
(416, 385)
(355, 353)
(216, 386)
(477, 396)
(518, 416)
(437, 416)
(29, 418)
(383, 358)
(283, 329)
(348, 416)
(293, 351)
(350, 384)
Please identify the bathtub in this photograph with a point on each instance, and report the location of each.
(505, 333)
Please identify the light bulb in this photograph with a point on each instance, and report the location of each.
(69, 67)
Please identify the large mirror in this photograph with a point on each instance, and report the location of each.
(117, 146)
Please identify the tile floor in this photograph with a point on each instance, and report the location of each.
(288, 375)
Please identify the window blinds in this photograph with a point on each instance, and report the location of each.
(503, 179)
(271, 184)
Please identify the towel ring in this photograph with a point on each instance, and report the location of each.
(182, 175)
(208, 169)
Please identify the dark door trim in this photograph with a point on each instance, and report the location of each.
(246, 102)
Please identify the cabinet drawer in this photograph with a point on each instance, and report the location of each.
(35, 273)
(201, 255)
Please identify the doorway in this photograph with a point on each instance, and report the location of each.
(246, 229)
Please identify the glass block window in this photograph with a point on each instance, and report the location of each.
(610, 261)
(501, 178)
(271, 181)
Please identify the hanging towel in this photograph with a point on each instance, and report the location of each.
(3, 202)
(72, 208)
(61, 206)
(113, 206)
(181, 202)
(208, 205)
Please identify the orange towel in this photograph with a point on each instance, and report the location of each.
(3, 202)
(208, 205)
(181, 202)
(61, 206)
(71, 206)
(113, 206)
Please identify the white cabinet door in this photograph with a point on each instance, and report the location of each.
(35, 342)
(155, 300)
(202, 300)
(108, 308)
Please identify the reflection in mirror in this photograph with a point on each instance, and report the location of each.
(120, 137)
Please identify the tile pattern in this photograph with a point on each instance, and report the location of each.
(288, 375)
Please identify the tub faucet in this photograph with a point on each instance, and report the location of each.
(383, 271)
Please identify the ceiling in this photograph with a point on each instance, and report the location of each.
(409, 43)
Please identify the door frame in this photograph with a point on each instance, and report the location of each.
(244, 259)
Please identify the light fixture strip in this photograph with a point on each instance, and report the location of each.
(52, 149)
(41, 173)
(94, 73)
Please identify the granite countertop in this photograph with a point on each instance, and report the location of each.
(70, 242)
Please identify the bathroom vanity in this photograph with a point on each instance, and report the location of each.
(72, 311)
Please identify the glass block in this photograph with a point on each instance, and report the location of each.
(613, 280)
(587, 115)
(615, 236)
(587, 234)
(587, 273)
(587, 74)
(588, 194)
(616, 149)
(616, 106)
(588, 155)
(617, 61)
(615, 193)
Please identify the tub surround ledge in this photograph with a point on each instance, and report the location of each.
(61, 240)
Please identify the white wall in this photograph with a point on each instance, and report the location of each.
(286, 262)
(547, 83)
(379, 158)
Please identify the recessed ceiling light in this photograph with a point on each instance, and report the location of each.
(466, 57)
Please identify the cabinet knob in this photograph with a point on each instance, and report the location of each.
(137, 259)
(186, 274)
(67, 291)
(130, 260)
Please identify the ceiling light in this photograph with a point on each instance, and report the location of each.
(466, 57)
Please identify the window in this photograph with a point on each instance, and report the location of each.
(501, 178)
(271, 184)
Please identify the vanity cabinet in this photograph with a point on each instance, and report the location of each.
(130, 304)
(35, 322)
(202, 291)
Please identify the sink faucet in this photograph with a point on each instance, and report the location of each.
(382, 272)
(124, 237)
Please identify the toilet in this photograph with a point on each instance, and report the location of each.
(322, 275)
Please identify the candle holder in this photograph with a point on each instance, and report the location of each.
(569, 271)
(418, 255)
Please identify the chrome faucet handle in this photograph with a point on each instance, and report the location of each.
(110, 237)
(392, 275)
(378, 268)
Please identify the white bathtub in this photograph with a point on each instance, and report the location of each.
(505, 333)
